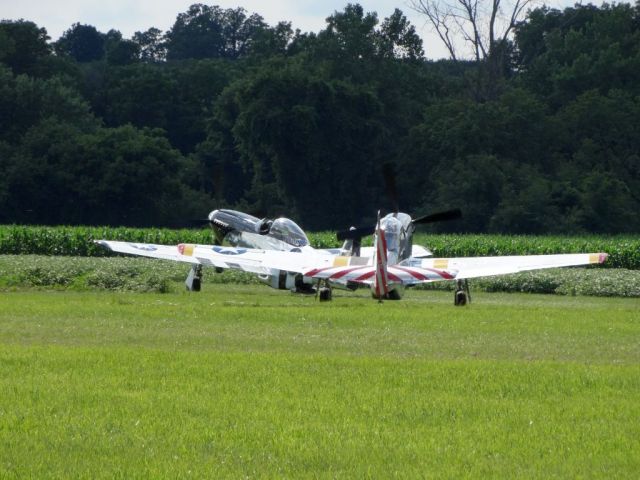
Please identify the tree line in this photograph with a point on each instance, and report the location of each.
(540, 135)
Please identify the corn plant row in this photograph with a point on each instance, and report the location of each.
(623, 250)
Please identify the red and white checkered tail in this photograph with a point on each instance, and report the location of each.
(381, 279)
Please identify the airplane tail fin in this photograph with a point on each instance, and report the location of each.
(381, 279)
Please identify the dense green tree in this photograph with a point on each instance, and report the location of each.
(353, 45)
(83, 43)
(22, 45)
(212, 32)
(350, 34)
(7, 45)
(564, 54)
(225, 110)
(198, 86)
(140, 94)
(151, 45)
(120, 51)
(26, 101)
(175, 97)
(608, 205)
(512, 127)
(223, 174)
(120, 176)
(317, 112)
(310, 144)
(272, 41)
(398, 38)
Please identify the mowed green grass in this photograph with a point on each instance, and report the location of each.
(247, 382)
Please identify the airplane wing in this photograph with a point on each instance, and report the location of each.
(420, 270)
(340, 269)
(164, 252)
(473, 267)
(262, 262)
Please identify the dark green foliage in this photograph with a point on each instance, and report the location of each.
(330, 124)
(83, 43)
(122, 274)
(565, 54)
(173, 97)
(26, 102)
(79, 241)
(624, 251)
(122, 52)
(212, 32)
(150, 45)
(23, 45)
(143, 95)
(224, 110)
(110, 176)
(398, 38)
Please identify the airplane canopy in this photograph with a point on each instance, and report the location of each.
(288, 231)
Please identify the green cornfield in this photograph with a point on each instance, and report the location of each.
(623, 250)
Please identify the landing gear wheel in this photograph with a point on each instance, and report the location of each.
(460, 298)
(194, 279)
(324, 294)
(462, 295)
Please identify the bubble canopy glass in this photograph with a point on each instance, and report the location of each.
(289, 232)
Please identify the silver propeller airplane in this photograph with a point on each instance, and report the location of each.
(392, 264)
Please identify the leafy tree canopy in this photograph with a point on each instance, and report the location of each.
(223, 110)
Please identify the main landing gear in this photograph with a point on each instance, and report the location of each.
(194, 279)
(462, 295)
(323, 290)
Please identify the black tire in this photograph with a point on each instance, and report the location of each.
(324, 294)
(394, 295)
(460, 298)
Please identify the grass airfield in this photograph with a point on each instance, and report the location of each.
(244, 381)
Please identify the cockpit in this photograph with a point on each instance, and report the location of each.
(396, 227)
(289, 232)
(392, 230)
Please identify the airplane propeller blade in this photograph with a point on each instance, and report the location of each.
(199, 222)
(355, 233)
(389, 175)
(439, 217)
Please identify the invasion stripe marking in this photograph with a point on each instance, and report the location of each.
(421, 276)
(443, 274)
(315, 271)
(393, 277)
(346, 271)
(416, 275)
(365, 276)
